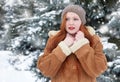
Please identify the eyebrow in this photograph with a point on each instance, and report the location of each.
(73, 17)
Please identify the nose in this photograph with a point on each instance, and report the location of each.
(71, 22)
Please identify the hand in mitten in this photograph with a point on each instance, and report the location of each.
(79, 35)
(69, 40)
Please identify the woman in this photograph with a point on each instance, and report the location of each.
(74, 53)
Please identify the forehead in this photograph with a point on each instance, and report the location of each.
(71, 14)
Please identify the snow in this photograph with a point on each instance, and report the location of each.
(110, 64)
(9, 74)
(66, 1)
(104, 29)
(9, 2)
(107, 45)
(48, 14)
(12, 2)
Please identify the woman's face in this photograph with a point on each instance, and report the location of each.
(73, 23)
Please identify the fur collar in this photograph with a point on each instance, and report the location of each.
(89, 28)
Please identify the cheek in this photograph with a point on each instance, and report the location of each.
(67, 29)
(77, 29)
(78, 25)
(66, 24)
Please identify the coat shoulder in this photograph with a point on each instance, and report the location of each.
(91, 30)
(52, 33)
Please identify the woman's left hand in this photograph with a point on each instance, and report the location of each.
(79, 35)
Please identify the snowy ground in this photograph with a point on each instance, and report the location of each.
(9, 74)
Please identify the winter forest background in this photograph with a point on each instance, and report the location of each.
(24, 27)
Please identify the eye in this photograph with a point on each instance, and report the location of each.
(76, 19)
(67, 19)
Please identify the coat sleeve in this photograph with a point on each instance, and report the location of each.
(92, 59)
(50, 62)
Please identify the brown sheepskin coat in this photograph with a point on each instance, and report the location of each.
(84, 63)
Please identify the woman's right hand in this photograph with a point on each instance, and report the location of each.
(69, 40)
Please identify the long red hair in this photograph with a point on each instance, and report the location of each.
(54, 41)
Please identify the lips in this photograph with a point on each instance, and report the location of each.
(71, 28)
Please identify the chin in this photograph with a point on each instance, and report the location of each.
(72, 33)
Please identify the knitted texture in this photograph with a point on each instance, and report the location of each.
(76, 9)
